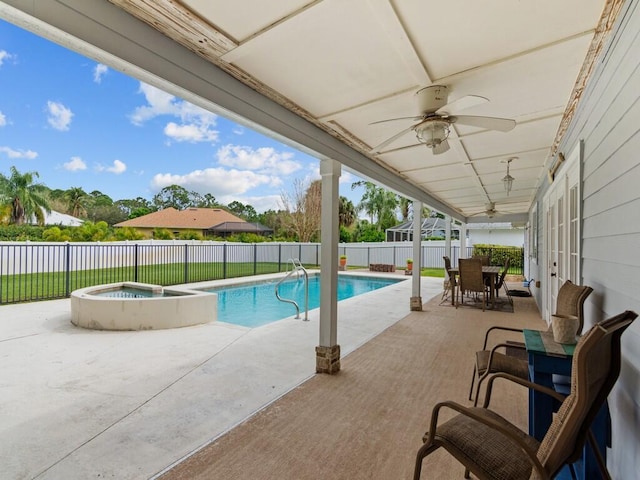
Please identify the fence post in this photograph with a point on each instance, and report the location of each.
(186, 263)
(255, 258)
(135, 262)
(317, 254)
(279, 257)
(224, 260)
(67, 273)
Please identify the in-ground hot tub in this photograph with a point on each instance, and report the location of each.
(140, 306)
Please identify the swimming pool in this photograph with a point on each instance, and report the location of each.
(256, 304)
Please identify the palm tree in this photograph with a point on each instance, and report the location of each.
(347, 212)
(76, 199)
(26, 199)
(379, 204)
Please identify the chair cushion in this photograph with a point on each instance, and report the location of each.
(485, 448)
(502, 363)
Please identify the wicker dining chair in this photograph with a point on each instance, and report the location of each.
(470, 279)
(486, 259)
(510, 357)
(491, 447)
(450, 283)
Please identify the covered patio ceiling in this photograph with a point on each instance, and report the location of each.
(342, 65)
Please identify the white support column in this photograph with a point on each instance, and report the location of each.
(463, 240)
(415, 303)
(447, 235)
(447, 248)
(328, 351)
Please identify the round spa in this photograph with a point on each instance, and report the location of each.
(140, 306)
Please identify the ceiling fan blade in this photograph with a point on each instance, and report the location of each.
(441, 147)
(414, 118)
(462, 103)
(490, 123)
(379, 147)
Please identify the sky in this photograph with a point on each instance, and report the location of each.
(79, 123)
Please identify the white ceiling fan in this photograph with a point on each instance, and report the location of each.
(489, 211)
(435, 120)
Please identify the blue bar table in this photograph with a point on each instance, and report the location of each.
(546, 358)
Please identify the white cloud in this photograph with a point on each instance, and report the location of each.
(75, 164)
(190, 133)
(117, 168)
(3, 119)
(195, 123)
(99, 71)
(4, 55)
(264, 160)
(59, 115)
(260, 203)
(11, 153)
(218, 181)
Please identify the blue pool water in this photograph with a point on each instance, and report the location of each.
(256, 304)
(130, 292)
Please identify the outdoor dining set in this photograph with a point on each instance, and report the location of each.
(477, 279)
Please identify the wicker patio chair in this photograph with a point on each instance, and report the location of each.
(500, 283)
(513, 359)
(486, 260)
(450, 283)
(470, 279)
(491, 447)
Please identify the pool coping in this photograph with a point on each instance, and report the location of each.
(183, 307)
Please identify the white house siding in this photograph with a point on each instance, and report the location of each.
(510, 238)
(608, 122)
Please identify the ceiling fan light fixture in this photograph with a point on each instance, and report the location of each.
(432, 132)
(507, 180)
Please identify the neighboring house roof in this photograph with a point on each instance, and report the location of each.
(241, 227)
(57, 218)
(428, 224)
(191, 218)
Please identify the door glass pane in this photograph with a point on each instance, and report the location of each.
(561, 246)
(573, 234)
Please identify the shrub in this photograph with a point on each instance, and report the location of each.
(499, 254)
(190, 235)
(162, 234)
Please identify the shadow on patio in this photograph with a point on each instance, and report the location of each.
(367, 421)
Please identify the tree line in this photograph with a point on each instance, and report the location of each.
(24, 201)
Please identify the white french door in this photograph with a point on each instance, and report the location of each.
(562, 227)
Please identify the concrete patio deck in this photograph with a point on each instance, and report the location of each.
(78, 404)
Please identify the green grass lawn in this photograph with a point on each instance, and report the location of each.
(46, 286)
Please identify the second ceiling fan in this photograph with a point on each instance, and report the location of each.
(435, 120)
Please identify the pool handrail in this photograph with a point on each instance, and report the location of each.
(297, 269)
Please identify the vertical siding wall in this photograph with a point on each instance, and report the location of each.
(608, 121)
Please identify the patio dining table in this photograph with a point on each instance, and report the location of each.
(491, 272)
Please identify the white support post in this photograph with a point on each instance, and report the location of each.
(415, 303)
(447, 235)
(463, 240)
(328, 351)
